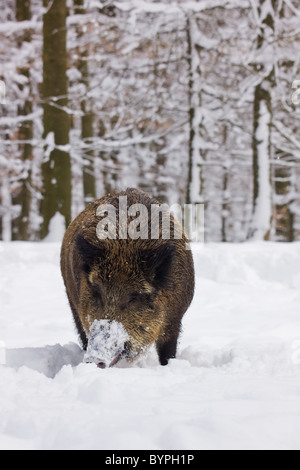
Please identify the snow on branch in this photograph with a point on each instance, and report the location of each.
(287, 134)
(121, 143)
(290, 5)
(176, 7)
(11, 27)
(289, 137)
(8, 121)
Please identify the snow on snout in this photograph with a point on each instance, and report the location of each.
(106, 342)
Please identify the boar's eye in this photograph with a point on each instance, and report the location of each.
(96, 290)
(130, 300)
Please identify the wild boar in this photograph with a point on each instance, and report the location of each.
(143, 284)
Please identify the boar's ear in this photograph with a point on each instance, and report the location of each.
(157, 264)
(88, 252)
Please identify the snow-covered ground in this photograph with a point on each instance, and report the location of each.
(234, 385)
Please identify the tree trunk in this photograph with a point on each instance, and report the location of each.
(195, 183)
(262, 128)
(262, 189)
(57, 169)
(89, 182)
(6, 205)
(284, 194)
(225, 196)
(79, 7)
(22, 194)
(23, 10)
(87, 128)
(285, 181)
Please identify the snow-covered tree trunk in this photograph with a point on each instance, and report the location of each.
(285, 164)
(6, 205)
(262, 190)
(225, 196)
(195, 182)
(284, 198)
(262, 148)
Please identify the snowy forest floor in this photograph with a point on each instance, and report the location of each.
(234, 385)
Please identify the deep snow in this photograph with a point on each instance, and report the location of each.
(234, 385)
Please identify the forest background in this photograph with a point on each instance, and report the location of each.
(192, 101)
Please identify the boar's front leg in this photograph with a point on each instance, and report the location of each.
(167, 350)
(166, 345)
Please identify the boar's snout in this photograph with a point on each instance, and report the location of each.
(107, 343)
(103, 364)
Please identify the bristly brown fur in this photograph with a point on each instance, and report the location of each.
(147, 285)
